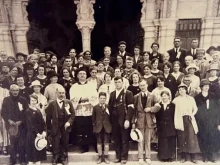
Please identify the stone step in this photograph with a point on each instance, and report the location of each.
(91, 156)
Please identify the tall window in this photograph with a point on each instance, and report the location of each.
(188, 29)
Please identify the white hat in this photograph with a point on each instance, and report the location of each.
(136, 135)
(40, 143)
(36, 83)
(192, 65)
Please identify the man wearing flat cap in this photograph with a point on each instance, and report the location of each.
(13, 113)
(122, 50)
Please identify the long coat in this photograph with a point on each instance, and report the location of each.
(165, 121)
(52, 116)
(208, 121)
(101, 119)
(35, 125)
(118, 107)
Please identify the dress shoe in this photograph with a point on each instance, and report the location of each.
(23, 163)
(205, 160)
(183, 160)
(148, 161)
(54, 162)
(64, 162)
(194, 161)
(141, 161)
(123, 161)
(99, 161)
(11, 163)
(117, 161)
(213, 160)
(106, 160)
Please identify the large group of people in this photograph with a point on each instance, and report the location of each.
(170, 100)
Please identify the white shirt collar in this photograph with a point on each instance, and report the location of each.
(122, 53)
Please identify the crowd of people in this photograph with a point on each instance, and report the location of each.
(167, 99)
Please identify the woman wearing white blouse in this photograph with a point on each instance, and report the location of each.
(185, 123)
(108, 86)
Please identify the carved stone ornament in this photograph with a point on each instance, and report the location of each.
(24, 12)
(84, 10)
(169, 6)
(143, 9)
(8, 9)
(216, 5)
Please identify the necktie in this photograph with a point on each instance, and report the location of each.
(194, 52)
(103, 109)
(176, 51)
(108, 89)
(144, 100)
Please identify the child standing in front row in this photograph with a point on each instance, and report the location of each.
(102, 127)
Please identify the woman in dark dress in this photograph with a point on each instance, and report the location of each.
(213, 79)
(165, 128)
(42, 78)
(154, 67)
(208, 119)
(134, 79)
(36, 128)
(66, 81)
(151, 79)
(170, 81)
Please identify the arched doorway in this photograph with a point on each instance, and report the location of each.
(52, 26)
(115, 21)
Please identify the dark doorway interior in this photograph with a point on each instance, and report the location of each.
(53, 26)
(116, 20)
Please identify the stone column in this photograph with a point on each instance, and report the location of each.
(85, 21)
(22, 25)
(147, 22)
(168, 25)
(207, 32)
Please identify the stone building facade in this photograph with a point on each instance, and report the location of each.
(159, 21)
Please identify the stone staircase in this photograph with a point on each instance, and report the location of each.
(91, 156)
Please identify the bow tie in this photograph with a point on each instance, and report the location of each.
(61, 102)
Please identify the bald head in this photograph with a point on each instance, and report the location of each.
(61, 93)
(14, 90)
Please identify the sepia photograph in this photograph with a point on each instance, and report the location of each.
(123, 82)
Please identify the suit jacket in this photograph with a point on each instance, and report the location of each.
(173, 55)
(140, 116)
(124, 57)
(109, 69)
(118, 107)
(189, 53)
(139, 60)
(100, 119)
(158, 56)
(11, 110)
(52, 112)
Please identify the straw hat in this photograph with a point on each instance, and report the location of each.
(192, 65)
(136, 135)
(40, 143)
(213, 67)
(36, 83)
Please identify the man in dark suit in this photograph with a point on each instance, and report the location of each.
(102, 127)
(193, 50)
(122, 50)
(59, 118)
(121, 108)
(177, 53)
(13, 113)
(137, 57)
(107, 67)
